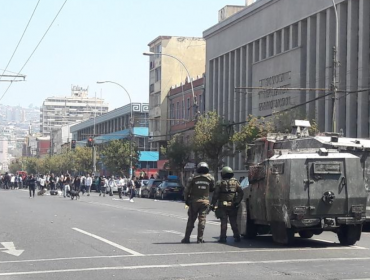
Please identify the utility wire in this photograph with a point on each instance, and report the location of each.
(20, 40)
(35, 48)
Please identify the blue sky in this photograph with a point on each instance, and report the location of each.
(92, 40)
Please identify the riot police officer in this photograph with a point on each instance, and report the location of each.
(229, 194)
(196, 196)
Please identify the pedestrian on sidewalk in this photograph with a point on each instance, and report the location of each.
(132, 187)
(111, 185)
(88, 184)
(121, 182)
(83, 184)
(31, 185)
(103, 185)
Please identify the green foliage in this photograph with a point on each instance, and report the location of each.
(255, 128)
(116, 156)
(15, 166)
(178, 152)
(212, 139)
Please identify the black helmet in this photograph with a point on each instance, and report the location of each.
(202, 168)
(227, 172)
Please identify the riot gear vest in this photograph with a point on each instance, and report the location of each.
(200, 186)
(228, 189)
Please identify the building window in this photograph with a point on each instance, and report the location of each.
(178, 112)
(187, 108)
(182, 111)
(158, 74)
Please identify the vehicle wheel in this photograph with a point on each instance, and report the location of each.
(251, 231)
(290, 236)
(348, 235)
(305, 234)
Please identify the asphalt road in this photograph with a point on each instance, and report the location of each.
(106, 238)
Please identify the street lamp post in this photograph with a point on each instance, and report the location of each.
(335, 66)
(187, 71)
(131, 119)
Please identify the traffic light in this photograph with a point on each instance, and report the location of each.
(90, 142)
(73, 144)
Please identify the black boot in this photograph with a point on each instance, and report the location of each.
(185, 240)
(237, 238)
(222, 240)
(200, 240)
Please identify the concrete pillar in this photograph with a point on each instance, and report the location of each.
(302, 43)
(210, 86)
(231, 115)
(352, 67)
(243, 83)
(277, 42)
(340, 103)
(249, 59)
(320, 69)
(237, 94)
(224, 102)
(311, 65)
(330, 43)
(217, 82)
(363, 69)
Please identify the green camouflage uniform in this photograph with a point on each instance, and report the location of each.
(196, 195)
(229, 194)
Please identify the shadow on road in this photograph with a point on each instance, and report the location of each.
(265, 242)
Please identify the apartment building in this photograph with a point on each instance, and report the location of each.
(165, 70)
(60, 111)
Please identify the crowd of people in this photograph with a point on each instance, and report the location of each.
(64, 183)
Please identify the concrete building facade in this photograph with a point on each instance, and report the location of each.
(59, 111)
(289, 44)
(115, 125)
(165, 72)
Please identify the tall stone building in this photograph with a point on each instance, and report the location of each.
(289, 43)
(165, 72)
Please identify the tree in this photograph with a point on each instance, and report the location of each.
(116, 156)
(83, 159)
(212, 140)
(178, 153)
(254, 128)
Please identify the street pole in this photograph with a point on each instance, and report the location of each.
(195, 102)
(93, 147)
(131, 123)
(335, 66)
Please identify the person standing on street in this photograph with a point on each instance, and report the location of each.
(196, 196)
(111, 185)
(131, 185)
(121, 182)
(42, 182)
(228, 194)
(103, 185)
(83, 184)
(52, 182)
(66, 185)
(88, 184)
(31, 185)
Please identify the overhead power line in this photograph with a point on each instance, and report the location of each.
(20, 40)
(35, 47)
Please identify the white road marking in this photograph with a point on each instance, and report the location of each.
(181, 265)
(109, 242)
(187, 254)
(9, 248)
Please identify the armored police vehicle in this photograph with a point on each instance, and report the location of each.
(298, 185)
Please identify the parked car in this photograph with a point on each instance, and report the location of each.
(149, 189)
(169, 189)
